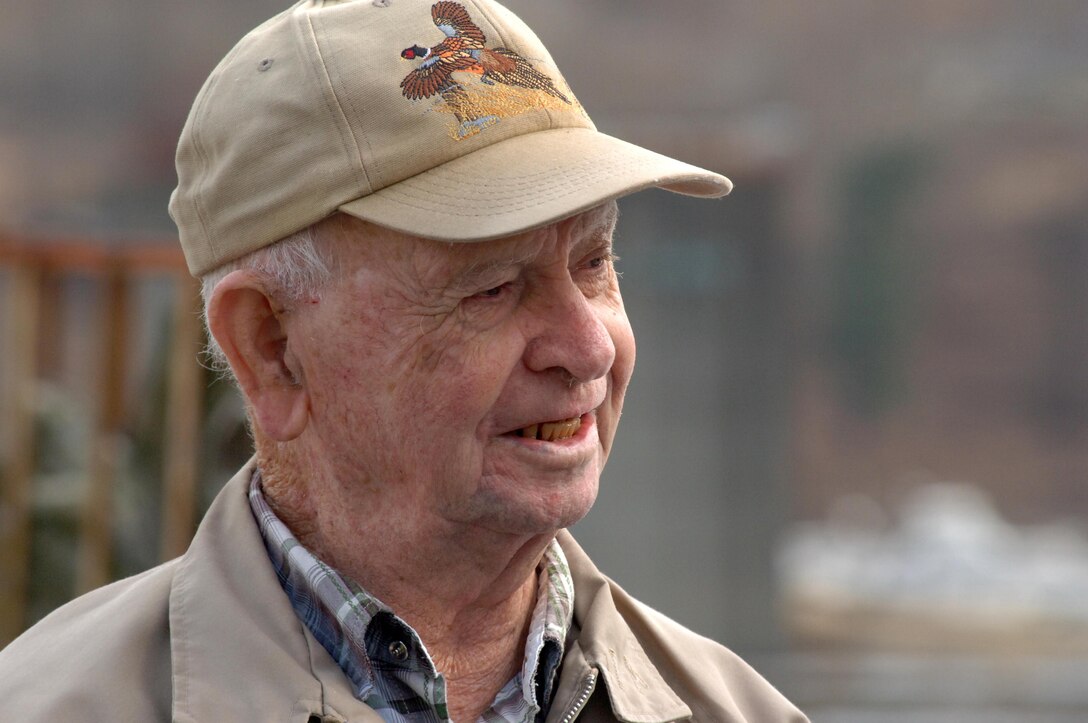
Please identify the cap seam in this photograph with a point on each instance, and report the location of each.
(349, 143)
(202, 155)
(198, 145)
(198, 192)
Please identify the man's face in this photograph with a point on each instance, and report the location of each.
(472, 383)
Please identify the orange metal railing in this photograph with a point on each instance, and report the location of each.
(29, 267)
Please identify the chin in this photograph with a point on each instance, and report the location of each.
(535, 514)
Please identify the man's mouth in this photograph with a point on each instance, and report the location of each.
(551, 431)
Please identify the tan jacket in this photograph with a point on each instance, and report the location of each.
(211, 637)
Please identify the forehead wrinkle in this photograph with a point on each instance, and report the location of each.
(596, 224)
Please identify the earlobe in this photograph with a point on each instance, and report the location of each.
(244, 320)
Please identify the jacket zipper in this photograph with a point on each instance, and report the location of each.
(587, 690)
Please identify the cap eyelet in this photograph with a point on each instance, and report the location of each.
(382, 3)
(265, 64)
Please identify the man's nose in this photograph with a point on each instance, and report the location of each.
(568, 333)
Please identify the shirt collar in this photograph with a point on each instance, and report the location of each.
(548, 629)
(339, 613)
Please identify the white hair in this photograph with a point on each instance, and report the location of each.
(294, 267)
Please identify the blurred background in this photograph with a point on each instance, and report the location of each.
(856, 446)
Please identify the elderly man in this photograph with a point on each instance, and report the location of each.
(403, 219)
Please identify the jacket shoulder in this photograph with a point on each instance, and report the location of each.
(702, 671)
(103, 656)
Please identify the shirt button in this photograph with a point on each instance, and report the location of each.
(398, 650)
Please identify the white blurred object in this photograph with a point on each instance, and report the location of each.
(951, 573)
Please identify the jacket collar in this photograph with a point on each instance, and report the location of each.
(229, 619)
(636, 690)
(229, 616)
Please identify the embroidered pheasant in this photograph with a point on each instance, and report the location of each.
(463, 50)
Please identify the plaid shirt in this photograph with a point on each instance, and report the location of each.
(382, 656)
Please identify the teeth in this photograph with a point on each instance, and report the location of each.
(553, 431)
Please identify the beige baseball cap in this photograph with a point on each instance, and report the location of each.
(446, 120)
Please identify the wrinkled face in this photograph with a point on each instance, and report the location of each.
(474, 383)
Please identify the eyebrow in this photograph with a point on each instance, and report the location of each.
(602, 229)
(478, 271)
(608, 221)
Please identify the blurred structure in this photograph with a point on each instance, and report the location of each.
(70, 455)
(949, 575)
(895, 294)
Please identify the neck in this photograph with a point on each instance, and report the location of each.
(469, 593)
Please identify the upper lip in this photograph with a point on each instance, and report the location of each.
(556, 415)
(546, 420)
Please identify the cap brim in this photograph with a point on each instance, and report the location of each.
(526, 182)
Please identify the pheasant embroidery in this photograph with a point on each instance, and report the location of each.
(505, 84)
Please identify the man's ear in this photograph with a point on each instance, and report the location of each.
(250, 330)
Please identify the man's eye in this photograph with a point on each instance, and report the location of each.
(602, 260)
(493, 291)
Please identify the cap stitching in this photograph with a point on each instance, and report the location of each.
(553, 71)
(521, 180)
(349, 143)
(412, 199)
(525, 181)
(496, 28)
(473, 109)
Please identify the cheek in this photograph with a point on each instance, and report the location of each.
(351, 372)
(623, 366)
(623, 338)
(458, 382)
